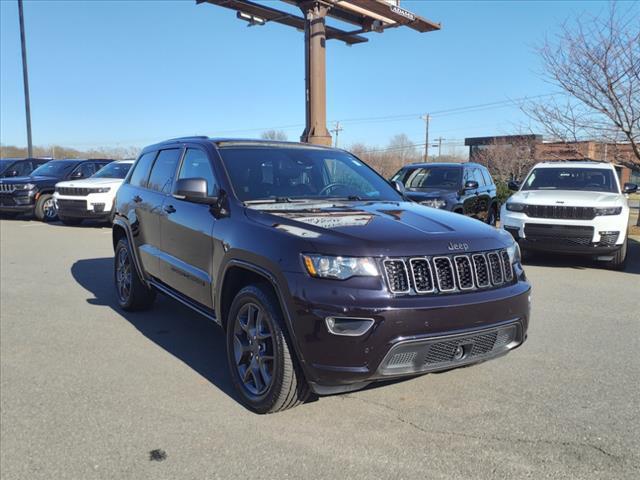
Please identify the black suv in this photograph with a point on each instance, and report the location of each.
(19, 167)
(322, 275)
(466, 188)
(34, 193)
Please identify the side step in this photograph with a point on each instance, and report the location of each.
(201, 309)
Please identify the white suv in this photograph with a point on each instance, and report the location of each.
(571, 208)
(91, 198)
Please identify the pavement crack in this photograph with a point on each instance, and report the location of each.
(486, 437)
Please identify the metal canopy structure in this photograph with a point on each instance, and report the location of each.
(365, 15)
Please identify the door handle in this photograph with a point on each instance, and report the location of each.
(169, 209)
(137, 198)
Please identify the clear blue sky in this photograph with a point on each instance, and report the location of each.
(132, 73)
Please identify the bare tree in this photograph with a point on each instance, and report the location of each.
(508, 160)
(595, 62)
(403, 148)
(278, 135)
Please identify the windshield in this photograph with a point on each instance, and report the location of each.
(587, 179)
(5, 163)
(282, 174)
(113, 170)
(55, 168)
(434, 177)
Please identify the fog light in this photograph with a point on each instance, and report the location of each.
(458, 353)
(347, 326)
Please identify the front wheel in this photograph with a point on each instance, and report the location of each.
(263, 369)
(619, 260)
(45, 209)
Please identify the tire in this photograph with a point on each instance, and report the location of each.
(45, 209)
(526, 255)
(263, 368)
(492, 216)
(70, 221)
(131, 293)
(619, 260)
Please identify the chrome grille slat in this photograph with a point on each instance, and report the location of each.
(495, 267)
(464, 272)
(7, 187)
(481, 267)
(422, 275)
(506, 266)
(445, 275)
(397, 276)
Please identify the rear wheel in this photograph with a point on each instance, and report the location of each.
(132, 294)
(619, 260)
(70, 221)
(45, 209)
(263, 369)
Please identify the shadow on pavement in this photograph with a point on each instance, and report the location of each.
(30, 218)
(542, 259)
(194, 340)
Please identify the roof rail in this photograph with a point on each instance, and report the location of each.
(188, 137)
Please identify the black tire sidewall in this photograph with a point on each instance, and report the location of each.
(122, 243)
(39, 208)
(255, 294)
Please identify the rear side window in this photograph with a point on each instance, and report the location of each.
(164, 170)
(141, 170)
(487, 176)
(196, 165)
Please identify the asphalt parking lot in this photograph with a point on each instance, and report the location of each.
(90, 392)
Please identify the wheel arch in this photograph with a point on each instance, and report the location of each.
(120, 229)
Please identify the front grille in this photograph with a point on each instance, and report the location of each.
(7, 188)
(442, 353)
(566, 235)
(76, 191)
(560, 211)
(446, 274)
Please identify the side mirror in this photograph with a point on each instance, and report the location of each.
(513, 185)
(471, 185)
(77, 174)
(630, 188)
(194, 190)
(399, 186)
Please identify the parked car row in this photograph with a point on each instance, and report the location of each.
(71, 189)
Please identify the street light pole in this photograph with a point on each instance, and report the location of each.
(337, 129)
(25, 78)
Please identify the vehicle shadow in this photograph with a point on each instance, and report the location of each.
(191, 338)
(56, 223)
(543, 259)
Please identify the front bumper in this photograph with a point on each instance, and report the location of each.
(93, 206)
(17, 202)
(413, 327)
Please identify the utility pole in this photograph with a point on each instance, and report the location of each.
(439, 140)
(25, 78)
(426, 137)
(336, 129)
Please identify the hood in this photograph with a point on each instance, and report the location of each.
(570, 198)
(92, 182)
(37, 179)
(378, 228)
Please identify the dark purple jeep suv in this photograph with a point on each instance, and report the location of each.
(323, 276)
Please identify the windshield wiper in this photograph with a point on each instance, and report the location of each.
(279, 200)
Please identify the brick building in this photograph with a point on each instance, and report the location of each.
(534, 149)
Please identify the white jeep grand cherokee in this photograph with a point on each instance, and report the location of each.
(91, 198)
(571, 208)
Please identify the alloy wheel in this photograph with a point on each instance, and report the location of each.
(49, 209)
(123, 275)
(253, 348)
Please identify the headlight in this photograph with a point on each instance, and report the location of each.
(609, 211)
(323, 266)
(515, 207)
(25, 186)
(434, 203)
(102, 190)
(513, 251)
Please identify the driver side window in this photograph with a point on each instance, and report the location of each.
(84, 170)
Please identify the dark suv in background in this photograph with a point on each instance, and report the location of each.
(466, 188)
(322, 275)
(20, 167)
(34, 193)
